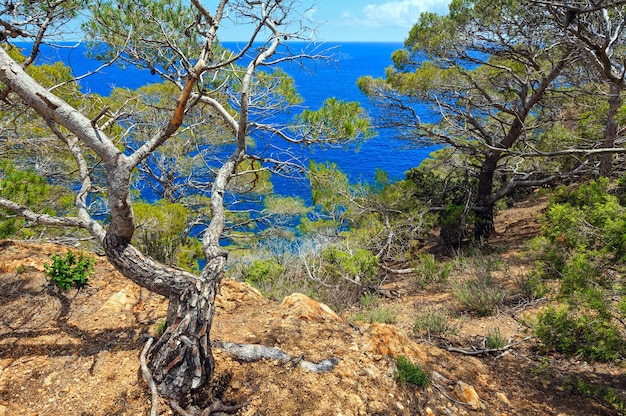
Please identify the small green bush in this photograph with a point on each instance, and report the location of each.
(262, 272)
(604, 394)
(70, 271)
(590, 336)
(495, 340)
(583, 248)
(429, 270)
(480, 296)
(358, 265)
(409, 373)
(531, 287)
(433, 322)
(382, 314)
(369, 300)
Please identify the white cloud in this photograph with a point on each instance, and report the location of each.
(403, 13)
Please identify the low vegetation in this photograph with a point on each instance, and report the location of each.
(70, 271)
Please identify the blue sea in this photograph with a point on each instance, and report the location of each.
(315, 83)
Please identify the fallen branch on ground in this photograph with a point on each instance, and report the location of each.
(254, 352)
(487, 350)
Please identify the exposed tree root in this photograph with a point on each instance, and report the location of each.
(148, 376)
(216, 407)
(241, 352)
(255, 352)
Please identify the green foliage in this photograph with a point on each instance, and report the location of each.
(29, 189)
(161, 327)
(335, 122)
(409, 373)
(262, 272)
(70, 271)
(433, 322)
(161, 232)
(379, 216)
(429, 270)
(531, 287)
(480, 296)
(381, 314)
(495, 340)
(369, 300)
(584, 248)
(358, 265)
(604, 394)
(589, 335)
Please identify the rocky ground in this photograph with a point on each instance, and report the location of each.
(77, 352)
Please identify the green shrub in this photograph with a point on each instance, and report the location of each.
(262, 272)
(70, 271)
(495, 340)
(531, 287)
(369, 300)
(358, 265)
(407, 372)
(28, 188)
(583, 247)
(382, 314)
(480, 296)
(433, 322)
(429, 270)
(162, 233)
(604, 394)
(590, 336)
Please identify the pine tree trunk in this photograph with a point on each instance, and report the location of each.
(181, 360)
(484, 225)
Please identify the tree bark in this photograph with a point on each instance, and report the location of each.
(610, 131)
(181, 360)
(484, 224)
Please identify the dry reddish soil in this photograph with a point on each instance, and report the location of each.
(77, 352)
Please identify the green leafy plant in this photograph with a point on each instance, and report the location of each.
(480, 296)
(429, 270)
(382, 314)
(369, 300)
(434, 322)
(591, 336)
(604, 394)
(409, 373)
(262, 272)
(359, 265)
(495, 340)
(583, 249)
(161, 327)
(70, 271)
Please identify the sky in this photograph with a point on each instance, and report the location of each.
(359, 20)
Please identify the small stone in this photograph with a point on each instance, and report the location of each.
(376, 407)
(48, 380)
(439, 379)
(366, 372)
(467, 394)
(399, 405)
(429, 412)
(503, 399)
(3, 410)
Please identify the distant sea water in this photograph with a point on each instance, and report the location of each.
(315, 84)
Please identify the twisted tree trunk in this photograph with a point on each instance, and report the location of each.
(181, 360)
